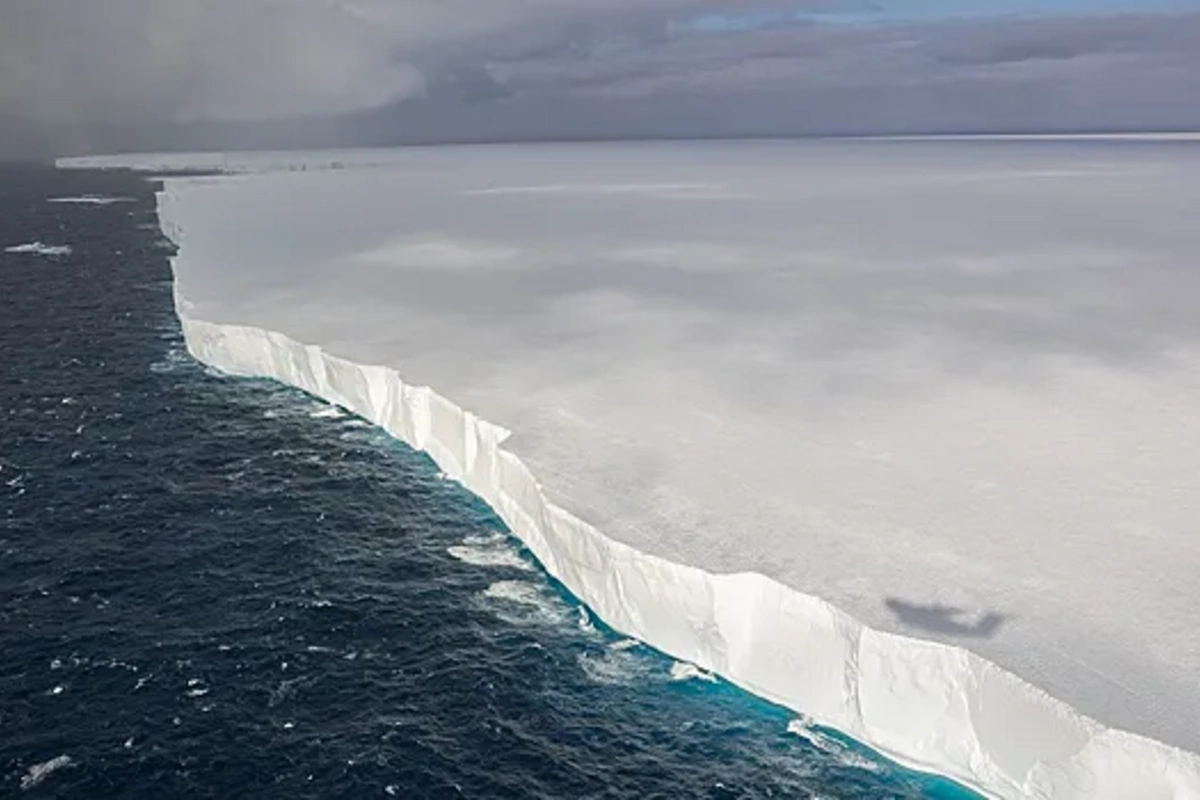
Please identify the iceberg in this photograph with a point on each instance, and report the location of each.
(901, 436)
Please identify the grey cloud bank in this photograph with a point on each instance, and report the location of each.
(79, 77)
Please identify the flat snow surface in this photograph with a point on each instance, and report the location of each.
(953, 388)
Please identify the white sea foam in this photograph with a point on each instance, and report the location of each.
(525, 603)
(522, 592)
(39, 772)
(38, 248)
(804, 728)
(491, 555)
(492, 537)
(683, 671)
(615, 667)
(624, 644)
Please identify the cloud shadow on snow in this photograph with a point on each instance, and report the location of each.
(946, 620)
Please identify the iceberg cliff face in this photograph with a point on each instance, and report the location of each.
(925, 704)
(950, 391)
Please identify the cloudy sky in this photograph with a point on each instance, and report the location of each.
(80, 74)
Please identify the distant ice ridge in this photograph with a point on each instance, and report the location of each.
(239, 162)
(927, 705)
(313, 160)
(39, 249)
(90, 200)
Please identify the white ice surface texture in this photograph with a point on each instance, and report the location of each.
(929, 705)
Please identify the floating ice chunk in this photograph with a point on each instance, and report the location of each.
(39, 249)
(328, 412)
(39, 772)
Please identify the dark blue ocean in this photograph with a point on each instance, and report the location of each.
(222, 588)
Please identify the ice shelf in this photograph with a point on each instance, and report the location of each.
(870, 430)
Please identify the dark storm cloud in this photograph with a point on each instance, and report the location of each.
(87, 75)
(77, 59)
(1046, 51)
(1126, 72)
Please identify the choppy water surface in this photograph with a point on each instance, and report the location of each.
(215, 587)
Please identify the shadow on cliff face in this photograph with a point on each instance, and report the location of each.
(946, 620)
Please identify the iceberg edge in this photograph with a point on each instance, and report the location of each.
(929, 706)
